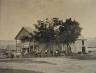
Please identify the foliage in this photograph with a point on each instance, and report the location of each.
(53, 30)
(47, 30)
(69, 32)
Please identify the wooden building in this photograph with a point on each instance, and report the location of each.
(25, 40)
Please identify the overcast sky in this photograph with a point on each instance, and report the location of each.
(14, 14)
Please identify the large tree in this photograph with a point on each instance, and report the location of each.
(50, 31)
(69, 32)
(47, 30)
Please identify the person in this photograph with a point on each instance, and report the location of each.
(12, 56)
(56, 52)
(35, 54)
(46, 51)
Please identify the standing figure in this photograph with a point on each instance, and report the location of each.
(56, 52)
(12, 56)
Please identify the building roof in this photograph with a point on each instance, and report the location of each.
(81, 37)
(30, 30)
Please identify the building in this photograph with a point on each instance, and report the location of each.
(26, 43)
(80, 45)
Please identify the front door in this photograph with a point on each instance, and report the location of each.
(83, 49)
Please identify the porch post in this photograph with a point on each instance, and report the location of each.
(16, 47)
(29, 45)
(74, 47)
(33, 43)
(62, 47)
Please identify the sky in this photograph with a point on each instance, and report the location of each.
(14, 14)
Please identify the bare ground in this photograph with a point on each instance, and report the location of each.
(49, 65)
(17, 71)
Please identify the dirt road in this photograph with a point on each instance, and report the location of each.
(50, 65)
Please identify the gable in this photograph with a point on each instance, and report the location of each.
(23, 32)
(81, 38)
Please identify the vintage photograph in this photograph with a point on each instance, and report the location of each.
(47, 36)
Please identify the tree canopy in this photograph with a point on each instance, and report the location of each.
(57, 30)
(69, 32)
(47, 31)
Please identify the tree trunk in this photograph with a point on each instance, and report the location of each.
(69, 52)
(52, 49)
(68, 49)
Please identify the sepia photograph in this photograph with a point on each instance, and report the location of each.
(47, 36)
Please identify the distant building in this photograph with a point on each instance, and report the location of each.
(26, 43)
(80, 45)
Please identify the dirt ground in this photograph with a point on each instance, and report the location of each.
(17, 71)
(47, 65)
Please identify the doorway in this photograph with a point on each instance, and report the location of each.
(83, 49)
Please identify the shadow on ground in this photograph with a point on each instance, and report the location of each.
(17, 71)
(85, 57)
(23, 60)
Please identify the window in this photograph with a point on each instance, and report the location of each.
(82, 42)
